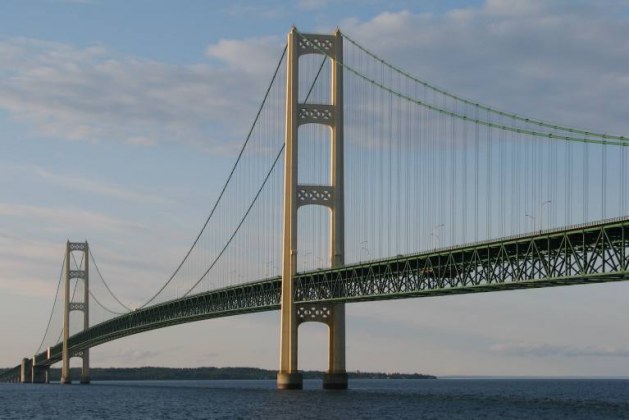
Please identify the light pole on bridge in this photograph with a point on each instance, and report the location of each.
(541, 215)
(364, 247)
(532, 219)
(436, 236)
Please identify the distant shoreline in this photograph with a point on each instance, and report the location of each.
(214, 373)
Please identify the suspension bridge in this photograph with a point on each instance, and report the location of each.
(403, 190)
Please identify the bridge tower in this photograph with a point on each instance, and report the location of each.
(296, 195)
(81, 273)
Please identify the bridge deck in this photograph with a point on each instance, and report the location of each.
(584, 254)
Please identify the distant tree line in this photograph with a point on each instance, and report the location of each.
(161, 373)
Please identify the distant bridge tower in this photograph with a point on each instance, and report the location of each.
(80, 273)
(298, 195)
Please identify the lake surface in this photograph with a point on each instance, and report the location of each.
(367, 399)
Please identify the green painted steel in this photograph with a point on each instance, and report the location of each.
(11, 375)
(588, 137)
(480, 106)
(584, 254)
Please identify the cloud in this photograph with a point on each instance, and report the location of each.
(95, 187)
(131, 357)
(14, 249)
(259, 11)
(95, 94)
(312, 4)
(548, 350)
(58, 219)
(17, 282)
(22, 262)
(74, 1)
(559, 61)
(257, 56)
(81, 183)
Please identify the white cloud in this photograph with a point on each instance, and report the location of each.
(94, 187)
(96, 94)
(79, 183)
(58, 219)
(14, 248)
(259, 11)
(312, 4)
(254, 55)
(560, 61)
(74, 1)
(557, 61)
(22, 262)
(513, 8)
(549, 350)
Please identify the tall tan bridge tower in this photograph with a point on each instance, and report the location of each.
(80, 273)
(296, 195)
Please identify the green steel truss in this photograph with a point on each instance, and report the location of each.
(584, 254)
(11, 375)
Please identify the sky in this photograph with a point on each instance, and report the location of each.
(121, 119)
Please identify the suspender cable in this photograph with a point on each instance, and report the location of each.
(227, 182)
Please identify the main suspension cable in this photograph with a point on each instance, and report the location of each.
(103, 306)
(606, 140)
(105, 283)
(231, 238)
(229, 178)
(255, 198)
(513, 116)
(52, 311)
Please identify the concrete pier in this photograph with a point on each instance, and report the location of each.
(290, 380)
(41, 374)
(26, 371)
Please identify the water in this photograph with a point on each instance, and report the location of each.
(367, 399)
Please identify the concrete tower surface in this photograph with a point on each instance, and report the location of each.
(296, 195)
(80, 273)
